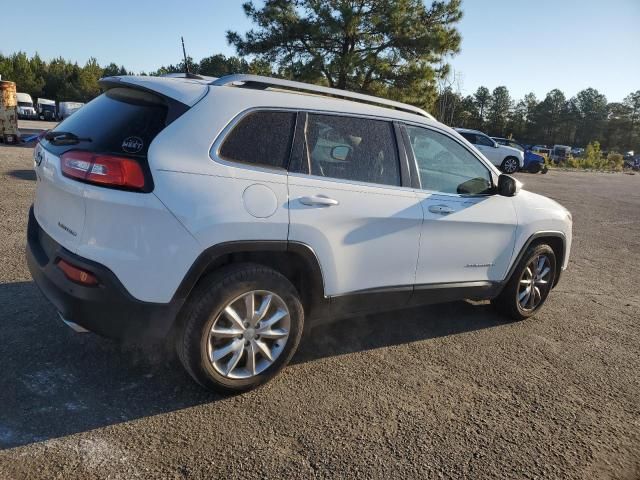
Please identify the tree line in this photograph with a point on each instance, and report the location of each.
(62, 80)
(390, 48)
(556, 119)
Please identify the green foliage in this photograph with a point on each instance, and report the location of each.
(499, 108)
(383, 47)
(594, 160)
(593, 154)
(615, 161)
(62, 80)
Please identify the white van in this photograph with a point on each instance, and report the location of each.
(25, 106)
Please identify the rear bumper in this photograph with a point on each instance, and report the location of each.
(107, 309)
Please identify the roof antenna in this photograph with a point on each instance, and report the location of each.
(186, 62)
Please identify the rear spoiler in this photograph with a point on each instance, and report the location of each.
(187, 91)
(175, 107)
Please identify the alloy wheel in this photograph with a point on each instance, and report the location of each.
(510, 165)
(535, 282)
(249, 334)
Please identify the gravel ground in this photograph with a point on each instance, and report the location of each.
(444, 391)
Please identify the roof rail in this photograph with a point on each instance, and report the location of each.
(258, 81)
(193, 76)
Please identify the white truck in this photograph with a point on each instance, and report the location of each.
(25, 106)
(65, 109)
(46, 109)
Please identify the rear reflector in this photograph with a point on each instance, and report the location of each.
(76, 274)
(106, 170)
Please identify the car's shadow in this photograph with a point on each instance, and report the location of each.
(23, 174)
(55, 382)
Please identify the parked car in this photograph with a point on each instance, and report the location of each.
(508, 159)
(577, 152)
(560, 153)
(65, 109)
(533, 163)
(632, 162)
(541, 149)
(236, 213)
(46, 109)
(25, 106)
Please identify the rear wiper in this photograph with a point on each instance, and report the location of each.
(64, 138)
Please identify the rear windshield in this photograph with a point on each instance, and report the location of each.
(121, 121)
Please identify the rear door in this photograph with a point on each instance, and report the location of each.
(348, 203)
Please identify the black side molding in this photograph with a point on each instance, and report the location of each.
(212, 254)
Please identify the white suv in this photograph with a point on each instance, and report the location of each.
(231, 214)
(508, 159)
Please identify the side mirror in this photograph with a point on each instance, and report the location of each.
(341, 152)
(508, 186)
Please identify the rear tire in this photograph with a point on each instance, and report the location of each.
(510, 165)
(230, 341)
(529, 285)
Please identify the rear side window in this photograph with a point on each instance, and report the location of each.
(351, 148)
(261, 138)
(122, 121)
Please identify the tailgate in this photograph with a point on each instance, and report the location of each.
(59, 203)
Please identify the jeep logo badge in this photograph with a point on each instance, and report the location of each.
(132, 144)
(39, 155)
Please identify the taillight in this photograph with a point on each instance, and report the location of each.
(76, 274)
(106, 170)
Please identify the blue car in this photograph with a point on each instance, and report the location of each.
(533, 163)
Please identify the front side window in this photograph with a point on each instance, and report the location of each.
(351, 148)
(261, 138)
(446, 166)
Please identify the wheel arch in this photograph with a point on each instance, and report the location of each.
(296, 261)
(555, 239)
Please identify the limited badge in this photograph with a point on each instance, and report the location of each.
(132, 144)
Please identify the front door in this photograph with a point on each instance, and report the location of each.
(348, 204)
(468, 232)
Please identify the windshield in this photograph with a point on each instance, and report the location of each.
(516, 145)
(25, 104)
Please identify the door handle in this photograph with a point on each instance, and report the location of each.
(440, 209)
(318, 201)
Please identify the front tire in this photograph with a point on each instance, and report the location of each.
(241, 326)
(510, 165)
(535, 167)
(529, 285)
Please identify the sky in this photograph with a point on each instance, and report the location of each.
(526, 45)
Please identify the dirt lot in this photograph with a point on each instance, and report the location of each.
(445, 391)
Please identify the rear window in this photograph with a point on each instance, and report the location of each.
(121, 121)
(261, 138)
